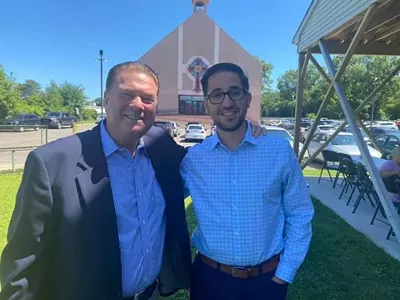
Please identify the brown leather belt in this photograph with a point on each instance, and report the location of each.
(243, 272)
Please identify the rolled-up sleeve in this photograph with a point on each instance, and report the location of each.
(299, 211)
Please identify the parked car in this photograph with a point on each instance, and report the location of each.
(212, 130)
(58, 120)
(195, 132)
(20, 120)
(377, 131)
(388, 141)
(382, 124)
(166, 125)
(364, 135)
(192, 123)
(398, 124)
(176, 128)
(344, 142)
(320, 128)
(283, 133)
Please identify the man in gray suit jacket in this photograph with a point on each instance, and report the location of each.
(100, 215)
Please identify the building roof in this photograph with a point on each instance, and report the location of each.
(337, 22)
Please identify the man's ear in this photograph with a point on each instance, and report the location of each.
(206, 105)
(106, 99)
(249, 97)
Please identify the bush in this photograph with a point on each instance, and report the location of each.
(311, 116)
(88, 115)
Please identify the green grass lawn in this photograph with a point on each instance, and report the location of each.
(341, 264)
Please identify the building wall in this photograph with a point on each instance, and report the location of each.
(163, 59)
(200, 37)
(327, 16)
(231, 51)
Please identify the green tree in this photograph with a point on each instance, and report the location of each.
(9, 95)
(266, 86)
(73, 96)
(88, 114)
(29, 88)
(97, 101)
(52, 98)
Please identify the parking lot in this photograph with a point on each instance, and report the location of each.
(32, 139)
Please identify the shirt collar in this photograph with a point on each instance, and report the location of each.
(248, 138)
(109, 146)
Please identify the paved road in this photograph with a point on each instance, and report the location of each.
(35, 139)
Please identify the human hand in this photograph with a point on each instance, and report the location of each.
(278, 280)
(257, 130)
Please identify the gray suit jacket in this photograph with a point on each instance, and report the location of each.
(63, 238)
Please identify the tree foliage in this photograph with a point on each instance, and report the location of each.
(30, 97)
(362, 76)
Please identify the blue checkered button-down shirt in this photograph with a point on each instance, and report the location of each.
(140, 209)
(250, 204)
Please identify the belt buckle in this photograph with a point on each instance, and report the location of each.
(239, 269)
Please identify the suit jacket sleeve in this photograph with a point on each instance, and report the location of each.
(23, 262)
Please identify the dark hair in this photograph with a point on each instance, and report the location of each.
(224, 67)
(131, 66)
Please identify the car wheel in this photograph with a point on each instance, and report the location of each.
(21, 129)
(37, 127)
(59, 125)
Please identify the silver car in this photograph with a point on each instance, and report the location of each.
(344, 142)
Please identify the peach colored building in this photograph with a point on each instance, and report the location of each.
(182, 57)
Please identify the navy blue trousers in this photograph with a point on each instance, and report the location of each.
(208, 283)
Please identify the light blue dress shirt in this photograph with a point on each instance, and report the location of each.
(250, 204)
(140, 209)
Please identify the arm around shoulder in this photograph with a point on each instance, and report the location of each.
(23, 265)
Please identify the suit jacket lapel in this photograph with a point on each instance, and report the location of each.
(96, 200)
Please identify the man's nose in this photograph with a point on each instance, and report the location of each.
(136, 103)
(227, 102)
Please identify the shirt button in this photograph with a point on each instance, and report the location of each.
(140, 194)
(144, 222)
(147, 251)
(235, 207)
(236, 232)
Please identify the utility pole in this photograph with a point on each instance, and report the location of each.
(101, 60)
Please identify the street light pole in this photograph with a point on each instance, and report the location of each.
(101, 60)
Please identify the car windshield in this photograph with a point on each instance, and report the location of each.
(198, 127)
(282, 133)
(14, 117)
(344, 140)
(53, 114)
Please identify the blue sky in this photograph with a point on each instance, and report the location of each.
(57, 40)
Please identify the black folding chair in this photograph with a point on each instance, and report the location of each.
(342, 168)
(351, 178)
(393, 186)
(366, 187)
(331, 163)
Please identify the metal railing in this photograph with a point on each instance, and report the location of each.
(13, 156)
(18, 158)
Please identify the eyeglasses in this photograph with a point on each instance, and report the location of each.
(234, 94)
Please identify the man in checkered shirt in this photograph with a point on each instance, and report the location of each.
(252, 205)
